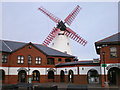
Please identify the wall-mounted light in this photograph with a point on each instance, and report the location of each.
(82, 68)
(65, 71)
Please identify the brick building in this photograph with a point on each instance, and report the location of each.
(109, 51)
(21, 61)
(35, 63)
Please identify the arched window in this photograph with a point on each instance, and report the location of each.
(36, 75)
(70, 76)
(29, 59)
(50, 75)
(93, 76)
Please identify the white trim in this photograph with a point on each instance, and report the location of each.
(59, 0)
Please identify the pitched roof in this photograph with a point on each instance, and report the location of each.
(111, 40)
(77, 63)
(51, 52)
(11, 46)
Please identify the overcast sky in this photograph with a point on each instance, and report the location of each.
(25, 23)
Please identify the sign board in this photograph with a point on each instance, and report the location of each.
(104, 65)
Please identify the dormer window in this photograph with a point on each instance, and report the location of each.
(113, 52)
(67, 60)
(50, 61)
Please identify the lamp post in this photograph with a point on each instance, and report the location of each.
(103, 53)
(29, 62)
(104, 65)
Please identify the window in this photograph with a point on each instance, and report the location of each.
(67, 60)
(29, 59)
(59, 59)
(50, 61)
(93, 76)
(35, 75)
(113, 52)
(4, 58)
(38, 60)
(20, 59)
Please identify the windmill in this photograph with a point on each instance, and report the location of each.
(60, 34)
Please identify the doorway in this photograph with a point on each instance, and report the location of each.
(62, 76)
(22, 76)
(51, 76)
(2, 76)
(93, 76)
(114, 76)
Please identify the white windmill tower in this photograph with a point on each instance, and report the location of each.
(60, 34)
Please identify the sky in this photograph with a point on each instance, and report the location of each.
(23, 22)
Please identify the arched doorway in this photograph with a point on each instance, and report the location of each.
(62, 76)
(2, 76)
(22, 76)
(51, 76)
(70, 76)
(114, 76)
(36, 75)
(93, 76)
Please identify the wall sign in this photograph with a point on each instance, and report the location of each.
(113, 65)
(104, 65)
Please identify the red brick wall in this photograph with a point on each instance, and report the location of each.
(108, 59)
(62, 59)
(34, 52)
(25, 51)
(8, 60)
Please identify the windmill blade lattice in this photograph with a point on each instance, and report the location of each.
(69, 19)
(62, 27)
(51, 36)
(50, 15)
(71, 34)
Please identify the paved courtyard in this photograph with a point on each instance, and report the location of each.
(61, 86)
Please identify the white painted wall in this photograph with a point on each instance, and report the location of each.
(74, 69)
(106, 71)
(43, 71)
(84, 70)
(13, 70)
